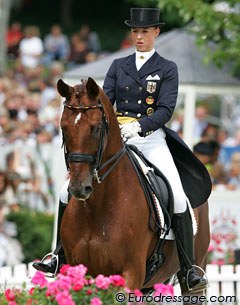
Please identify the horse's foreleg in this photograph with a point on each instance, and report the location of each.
(134, 275)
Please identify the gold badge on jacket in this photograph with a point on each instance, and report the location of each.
(151, 87)
(150, 111)
(150, 100)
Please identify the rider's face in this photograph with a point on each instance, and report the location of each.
(144, 38)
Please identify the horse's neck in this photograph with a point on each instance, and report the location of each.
(115, 142)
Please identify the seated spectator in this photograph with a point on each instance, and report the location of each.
(4, 125)
(13, 37)
(177, 121)
(219, 177)
(216, 149)
(31, 47)
(234, 171)
(55, 70)
(210, 133)
(91, 38)
(229, 147)
(11, 250)
(78, 53)
(47, 91)
(200, 122)
(6, 195)
(233, 141)
(56, 46)
(204, 152)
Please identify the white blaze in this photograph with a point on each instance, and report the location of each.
(78, 117)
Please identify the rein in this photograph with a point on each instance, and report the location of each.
(96, 159)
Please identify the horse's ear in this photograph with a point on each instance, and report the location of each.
(64, 89)
(92, 88)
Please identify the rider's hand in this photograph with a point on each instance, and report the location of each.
(130, 130)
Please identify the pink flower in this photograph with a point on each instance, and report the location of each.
(31, 291)
(39, 279)
(78, 286)
(64, 298)
(52, 289)
(96, 301)
(102, 282)
(63, 269)
(117, 280)
(137, 292)
(64, 282)
(127, 290)
(12, 303)
(9, 295)
(164, 289)
(89, 292)
(77, 271)
(91, 281)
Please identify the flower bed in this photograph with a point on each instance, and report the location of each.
(73, 287)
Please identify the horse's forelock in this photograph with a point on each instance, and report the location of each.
(79, 88)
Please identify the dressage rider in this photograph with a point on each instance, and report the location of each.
(144, 87)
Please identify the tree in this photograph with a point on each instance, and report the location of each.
(211, 21)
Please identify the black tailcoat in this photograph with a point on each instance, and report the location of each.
(150, 95)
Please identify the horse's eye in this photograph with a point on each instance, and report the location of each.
(97, 129)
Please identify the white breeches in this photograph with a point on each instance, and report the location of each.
(154, 148)
(64, 192)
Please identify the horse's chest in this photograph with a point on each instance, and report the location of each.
(98, 253)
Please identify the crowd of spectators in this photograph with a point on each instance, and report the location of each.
(31, 49)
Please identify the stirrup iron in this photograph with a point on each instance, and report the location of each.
(51, 255)
(204, 276)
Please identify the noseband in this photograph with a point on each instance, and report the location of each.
(97, 158)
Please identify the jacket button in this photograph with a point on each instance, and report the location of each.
(139, 115)
(139, 102)
(126, 112)
(127, 88)
(126, 101)
(140, 88)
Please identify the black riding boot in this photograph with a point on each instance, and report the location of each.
(58, 257)
(188, 277)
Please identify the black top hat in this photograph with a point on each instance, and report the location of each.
(144, 17)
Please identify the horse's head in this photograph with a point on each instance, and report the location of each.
(84, 128)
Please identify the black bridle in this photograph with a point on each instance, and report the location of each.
(95, 159)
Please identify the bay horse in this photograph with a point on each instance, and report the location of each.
(105, 225)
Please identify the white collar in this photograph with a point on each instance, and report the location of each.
(144, 55)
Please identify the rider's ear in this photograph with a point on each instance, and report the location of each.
(64, 89)
(92, 88)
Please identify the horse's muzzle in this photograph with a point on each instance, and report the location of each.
(81, 193)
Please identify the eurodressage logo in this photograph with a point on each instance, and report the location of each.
(132, 298)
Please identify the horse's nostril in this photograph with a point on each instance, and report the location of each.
(88, 189)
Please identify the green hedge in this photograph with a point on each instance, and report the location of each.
(35, 232)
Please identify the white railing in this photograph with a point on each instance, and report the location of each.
(15, 276)
(224, 281)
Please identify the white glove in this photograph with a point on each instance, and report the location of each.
(130, 130)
